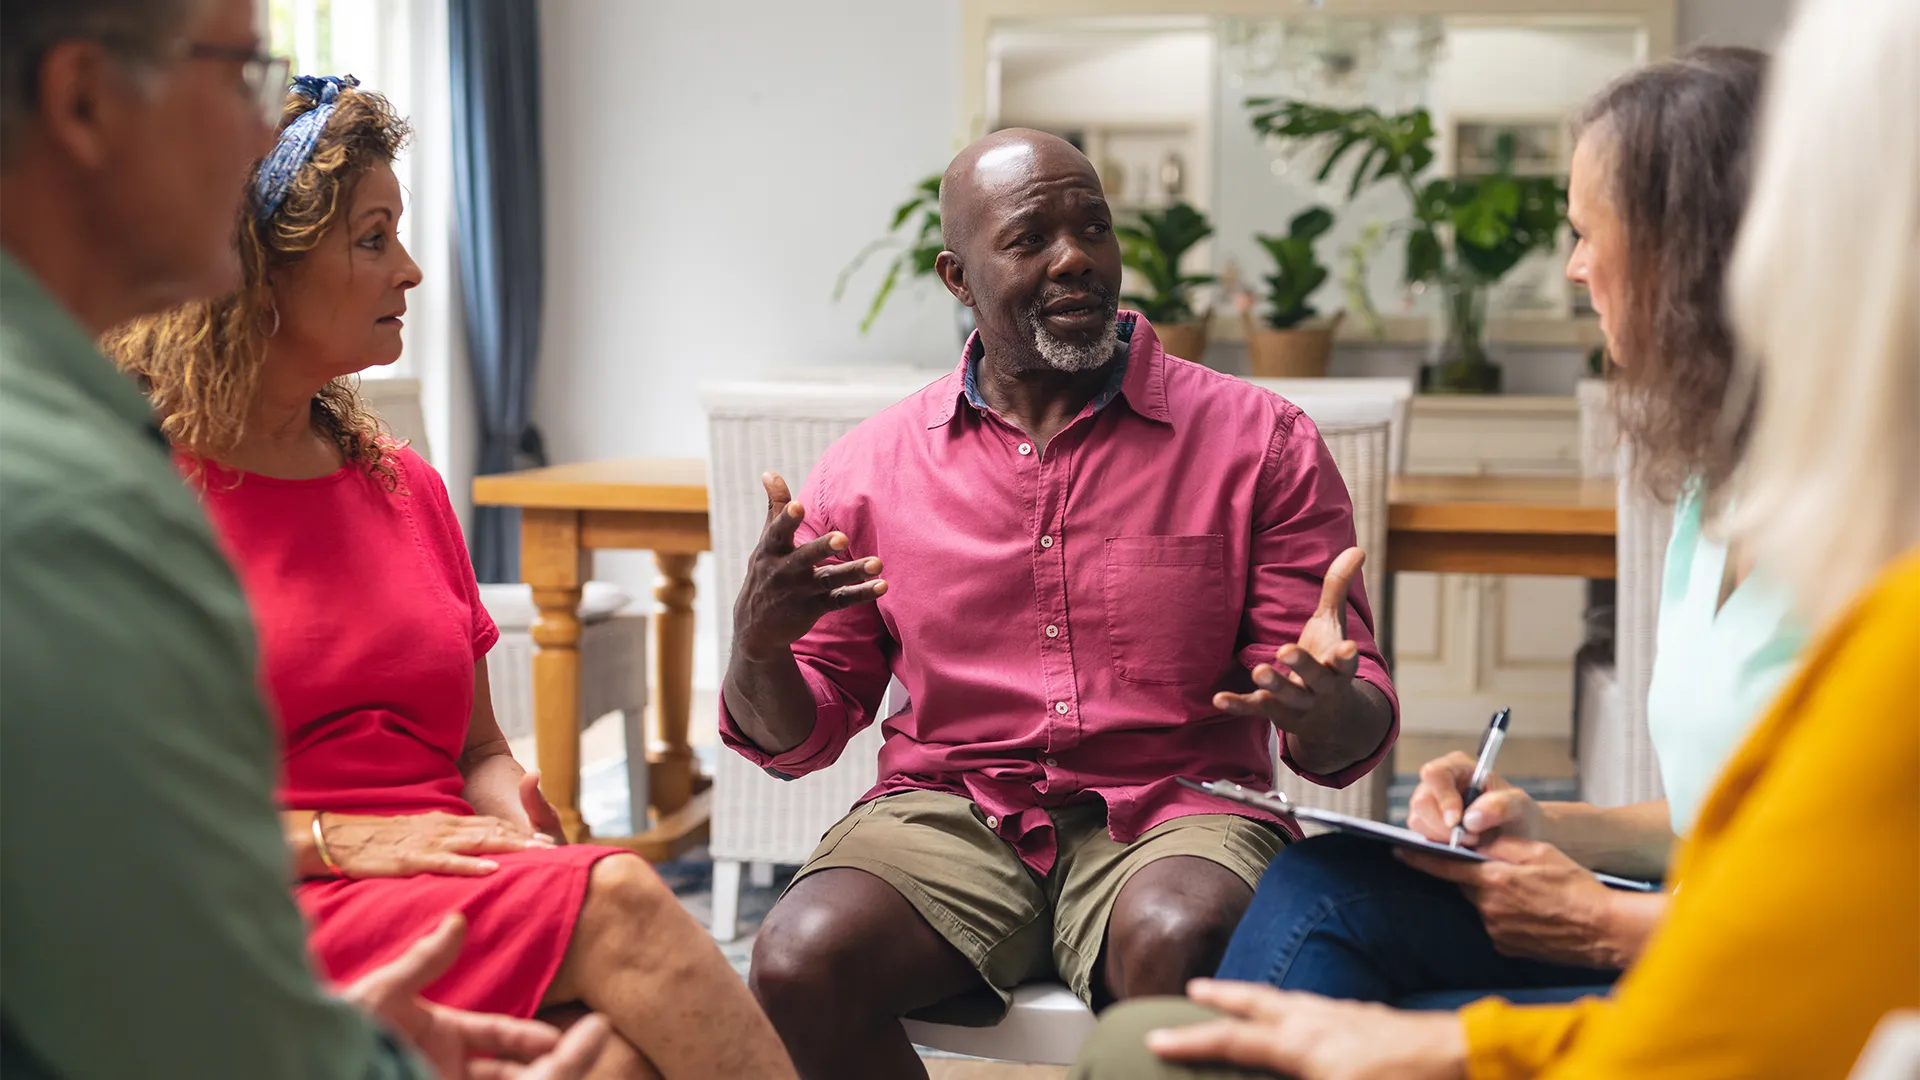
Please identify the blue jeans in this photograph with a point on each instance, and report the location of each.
(1340, 916)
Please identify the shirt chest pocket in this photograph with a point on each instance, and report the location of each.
(1167, 614)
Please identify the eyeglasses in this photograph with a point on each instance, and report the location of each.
(265, 75)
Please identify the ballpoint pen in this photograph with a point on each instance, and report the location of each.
(1482, 768)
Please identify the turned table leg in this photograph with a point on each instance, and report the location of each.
(552, 562)
(671, 764)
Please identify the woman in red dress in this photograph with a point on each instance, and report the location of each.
(403, 803)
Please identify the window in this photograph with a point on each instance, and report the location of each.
(399, 49)
(303, 29)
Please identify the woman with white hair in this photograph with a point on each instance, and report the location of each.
(1795, 926)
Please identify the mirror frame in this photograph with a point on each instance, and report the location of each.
(979, 17)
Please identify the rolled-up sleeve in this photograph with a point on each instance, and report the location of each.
(1304, 520)
(844, 658)
(1512, 1042)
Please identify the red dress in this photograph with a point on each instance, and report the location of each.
(370, 624)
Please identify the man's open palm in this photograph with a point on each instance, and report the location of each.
(788, 588)
(1315, 674)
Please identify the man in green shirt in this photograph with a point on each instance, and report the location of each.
(146, 927)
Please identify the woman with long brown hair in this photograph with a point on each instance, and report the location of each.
(402, 801)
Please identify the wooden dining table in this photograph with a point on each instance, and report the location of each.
(1446, 524)
(1552, 525)
(567, 512)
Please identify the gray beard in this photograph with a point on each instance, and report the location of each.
(1066, 356)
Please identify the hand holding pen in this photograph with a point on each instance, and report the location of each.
(1439, 804)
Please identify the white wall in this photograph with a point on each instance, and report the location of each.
(1091, 79)
(710, 167)
(1756, 23)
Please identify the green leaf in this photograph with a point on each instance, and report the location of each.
(880, 298)
(1424, 260)
(1347, 142)
(918, 255)
(1310, 223)
(1153, 248)
(1360, 178)
(840, 283)
(906, 210)
(925, 258)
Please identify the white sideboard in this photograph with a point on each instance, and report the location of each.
(1468, 644)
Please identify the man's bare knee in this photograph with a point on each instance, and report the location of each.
(806, 947)
(1171, 925)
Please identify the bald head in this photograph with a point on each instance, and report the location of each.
(1030, 248)
(1000, 167)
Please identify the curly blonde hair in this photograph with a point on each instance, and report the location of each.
(200, 363)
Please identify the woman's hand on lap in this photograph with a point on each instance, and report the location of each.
(1315, 1038)
(1535, 902)
(366, 846)
(540, 813)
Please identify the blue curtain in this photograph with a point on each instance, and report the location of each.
(495, 54)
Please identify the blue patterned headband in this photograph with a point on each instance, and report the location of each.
(276, 172)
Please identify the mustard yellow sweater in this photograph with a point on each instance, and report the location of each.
(1796, 922)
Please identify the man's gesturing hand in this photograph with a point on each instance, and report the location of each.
(788, 588)
(1311, 681)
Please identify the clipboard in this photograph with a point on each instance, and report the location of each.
(1277, 803)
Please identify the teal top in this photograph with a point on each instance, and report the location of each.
(149, 926)
(1716, 671)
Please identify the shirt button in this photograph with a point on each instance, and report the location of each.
(992, 822)
(1046, 541)
(1060, 707)
(1026, 448)
(1053, 631)
(1052, 764)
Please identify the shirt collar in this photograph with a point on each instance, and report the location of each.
(1140, 376)
(56, 344)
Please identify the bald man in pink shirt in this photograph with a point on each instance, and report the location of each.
(1095, 568)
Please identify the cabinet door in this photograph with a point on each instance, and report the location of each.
(1468, 644)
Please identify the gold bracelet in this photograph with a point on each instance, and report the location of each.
(320, 846)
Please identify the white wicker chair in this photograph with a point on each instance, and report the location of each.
(1397, 389)
(783, 428)
(613, 643)
(1358, 433)
(1612, 748)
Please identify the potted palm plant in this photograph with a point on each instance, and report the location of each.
(1463, 234)
(1296, 341)
(1154, 249)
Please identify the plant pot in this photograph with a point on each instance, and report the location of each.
(1457, 361)
(1187, 340)
(1298, 353)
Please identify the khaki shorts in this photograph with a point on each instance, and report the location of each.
(1011, 924)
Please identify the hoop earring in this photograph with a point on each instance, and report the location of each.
(274, 309)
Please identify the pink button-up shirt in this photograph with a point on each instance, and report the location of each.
(1062, 618)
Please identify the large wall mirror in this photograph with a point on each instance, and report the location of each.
(1157, 94)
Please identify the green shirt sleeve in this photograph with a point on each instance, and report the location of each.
(148, 924)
